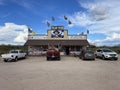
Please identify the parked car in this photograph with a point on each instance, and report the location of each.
(87, 54)
(13, 55)
(106, 54)
(52, 54)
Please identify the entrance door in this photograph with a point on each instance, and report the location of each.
(67, 50)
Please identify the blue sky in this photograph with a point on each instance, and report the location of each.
(100, 17)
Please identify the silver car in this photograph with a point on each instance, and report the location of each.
(87, 55)
(106, 54)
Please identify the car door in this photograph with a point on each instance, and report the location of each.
(98, 53)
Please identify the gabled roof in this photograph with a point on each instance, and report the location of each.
(56, 42)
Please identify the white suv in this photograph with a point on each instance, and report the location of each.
(106, 54)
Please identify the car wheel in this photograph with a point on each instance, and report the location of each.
(82, 58)
(5, 60)
(103, 57)
(25, 57)
(96, 56)
(116, 59)
(15, 59)
(59, 58)
(48, 59)
(93, 59)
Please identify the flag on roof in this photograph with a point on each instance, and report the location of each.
(48, 24)
(52, 18)
(65, 17)
(33, 32)
(69, 22)
(87, 31)
(30, 31)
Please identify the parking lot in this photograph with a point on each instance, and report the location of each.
(70, 73)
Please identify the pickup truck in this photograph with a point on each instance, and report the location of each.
(52, 54)
(13, 55)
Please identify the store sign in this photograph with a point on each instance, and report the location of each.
(57, 27)
(57, 33)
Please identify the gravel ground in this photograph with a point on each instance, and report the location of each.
(71, 73)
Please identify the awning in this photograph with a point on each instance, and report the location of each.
(56, 42)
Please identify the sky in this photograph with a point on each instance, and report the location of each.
(100, 17)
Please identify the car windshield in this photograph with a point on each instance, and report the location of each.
(88, 51)
(107, 50)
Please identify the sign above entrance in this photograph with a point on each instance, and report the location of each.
(57, 33)
(57, 27)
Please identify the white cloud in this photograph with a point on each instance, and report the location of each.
(80, 19)
(20, 38)
(111, 39)
(114, 35)
(12, 33)
(101, 16)
(98, 13)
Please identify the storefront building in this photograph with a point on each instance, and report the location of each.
(59, 38)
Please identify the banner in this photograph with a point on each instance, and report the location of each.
(57, 33)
